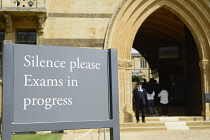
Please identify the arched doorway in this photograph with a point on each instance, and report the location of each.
(191, 18)
(170, 49)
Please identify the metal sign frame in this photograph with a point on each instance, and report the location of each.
(8, 126)
(207, 97)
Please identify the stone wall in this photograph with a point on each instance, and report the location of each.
(77, 23)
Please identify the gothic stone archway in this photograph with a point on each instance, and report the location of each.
(125, 23)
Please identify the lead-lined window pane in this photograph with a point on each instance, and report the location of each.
(26, 37)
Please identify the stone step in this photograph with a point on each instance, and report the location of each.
(164, 126)
(167, 123)
(139, 129)
(199, 123)
(172, 111)
(173, 118)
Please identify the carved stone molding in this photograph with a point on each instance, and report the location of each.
(204, 64)
(8, 22)
(125, 64)
(110, 26)
(21, 19)
(24, 19)
(41, 20)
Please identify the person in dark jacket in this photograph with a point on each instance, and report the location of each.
(140, 96)
(145, 85)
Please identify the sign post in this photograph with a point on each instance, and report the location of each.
(72, 88)
(206, 100)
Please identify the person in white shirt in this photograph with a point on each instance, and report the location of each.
(164, 101)
(151, 105)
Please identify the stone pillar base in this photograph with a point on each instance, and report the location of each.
(207, 115)
(127, 117)
(127, 114)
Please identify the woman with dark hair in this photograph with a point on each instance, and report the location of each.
(164, 101)
(150, 101)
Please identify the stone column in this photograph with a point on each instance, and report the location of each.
(125, 90)
(9, 35)
(40, 27)
(205, 83)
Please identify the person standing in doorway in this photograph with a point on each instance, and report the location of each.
(145, 85)
(140, 97)
(164, 101)
(151, 105)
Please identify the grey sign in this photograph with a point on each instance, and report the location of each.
(60, 84)
(207, 97)
(59, 88)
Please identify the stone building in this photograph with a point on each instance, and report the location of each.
(140, 67)
(172, 35)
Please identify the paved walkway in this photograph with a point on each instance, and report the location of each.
(144, 135)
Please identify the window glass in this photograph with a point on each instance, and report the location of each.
(26, 37)
(143, 63)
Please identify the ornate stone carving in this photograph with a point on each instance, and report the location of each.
(8, 22)
(204, 64)
(41, 20)
(113, 18)
(24, 19)
(125, 64)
